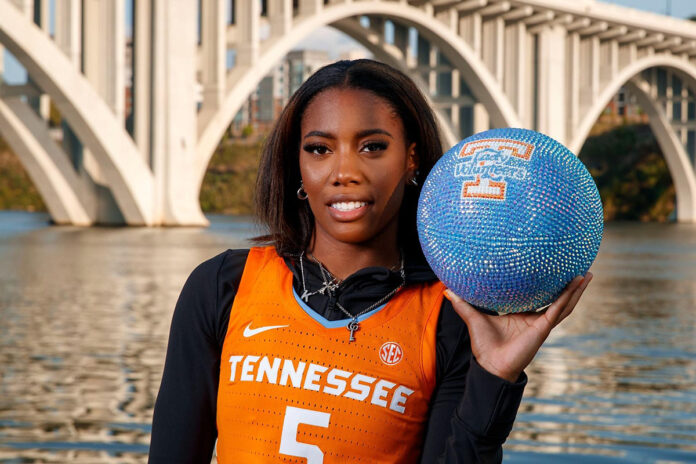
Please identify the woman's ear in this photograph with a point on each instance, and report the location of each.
(412, 162)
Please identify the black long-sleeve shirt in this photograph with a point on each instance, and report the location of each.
(471, 412)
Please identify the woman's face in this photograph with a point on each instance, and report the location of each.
(354, 164)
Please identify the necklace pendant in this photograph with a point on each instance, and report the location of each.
(305, 296)
(353, 326)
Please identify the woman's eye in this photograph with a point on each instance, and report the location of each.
(316, 149)
(374, 146)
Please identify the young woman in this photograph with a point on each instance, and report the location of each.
(335, 343)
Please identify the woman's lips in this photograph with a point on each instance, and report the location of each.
(348, 210)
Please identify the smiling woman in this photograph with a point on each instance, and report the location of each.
(334, 342)
(354, 172)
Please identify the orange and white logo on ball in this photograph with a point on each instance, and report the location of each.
(391, 353)
(489, 164)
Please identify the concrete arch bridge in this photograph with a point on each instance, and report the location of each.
(549, 65)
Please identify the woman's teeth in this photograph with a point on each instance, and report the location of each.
(348, 205)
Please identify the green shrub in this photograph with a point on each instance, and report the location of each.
(247, 131)
(229, 183)
(631, 173)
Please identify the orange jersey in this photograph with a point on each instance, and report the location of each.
(294, 389)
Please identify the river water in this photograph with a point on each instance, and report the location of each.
(84, 316)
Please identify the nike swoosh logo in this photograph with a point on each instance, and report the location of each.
(249, 332)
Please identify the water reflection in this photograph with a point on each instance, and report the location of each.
(617, 381)
(84, 317)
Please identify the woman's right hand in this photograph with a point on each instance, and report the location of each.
(505, 345)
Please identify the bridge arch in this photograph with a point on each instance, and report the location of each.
(480, 80)
(384, 54)
(129, 178)
(675, 155)
(624, 76)
(47, 166)
(680, 167)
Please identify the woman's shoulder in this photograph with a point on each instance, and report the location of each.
(209, 291)
(215, 277)
(220, 267)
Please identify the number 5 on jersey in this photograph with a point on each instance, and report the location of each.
(288, 439)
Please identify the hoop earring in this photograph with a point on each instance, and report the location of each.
(301, 194)
(414, 180)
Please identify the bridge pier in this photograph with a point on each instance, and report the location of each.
(213, 51)
(551, 82)
(174, 117)
(104, 66)
(142, 78)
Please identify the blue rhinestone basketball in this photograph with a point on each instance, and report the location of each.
(507, 218)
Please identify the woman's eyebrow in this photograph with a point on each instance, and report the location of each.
(361, 134)
(319, 134)
(366, 132)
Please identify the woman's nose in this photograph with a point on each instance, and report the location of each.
(347, 169)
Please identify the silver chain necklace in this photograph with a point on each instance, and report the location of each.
(330, 284)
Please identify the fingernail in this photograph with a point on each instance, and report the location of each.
(451, 295)
(588, 278)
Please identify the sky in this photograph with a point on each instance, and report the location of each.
(676, 8)
(336, 43)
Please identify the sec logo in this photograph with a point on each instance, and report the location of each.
(391, 353)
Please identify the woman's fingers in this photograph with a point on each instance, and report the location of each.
(462, 308)
(470, 315)
(553, 314)
(559, 309)
(575, 297)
